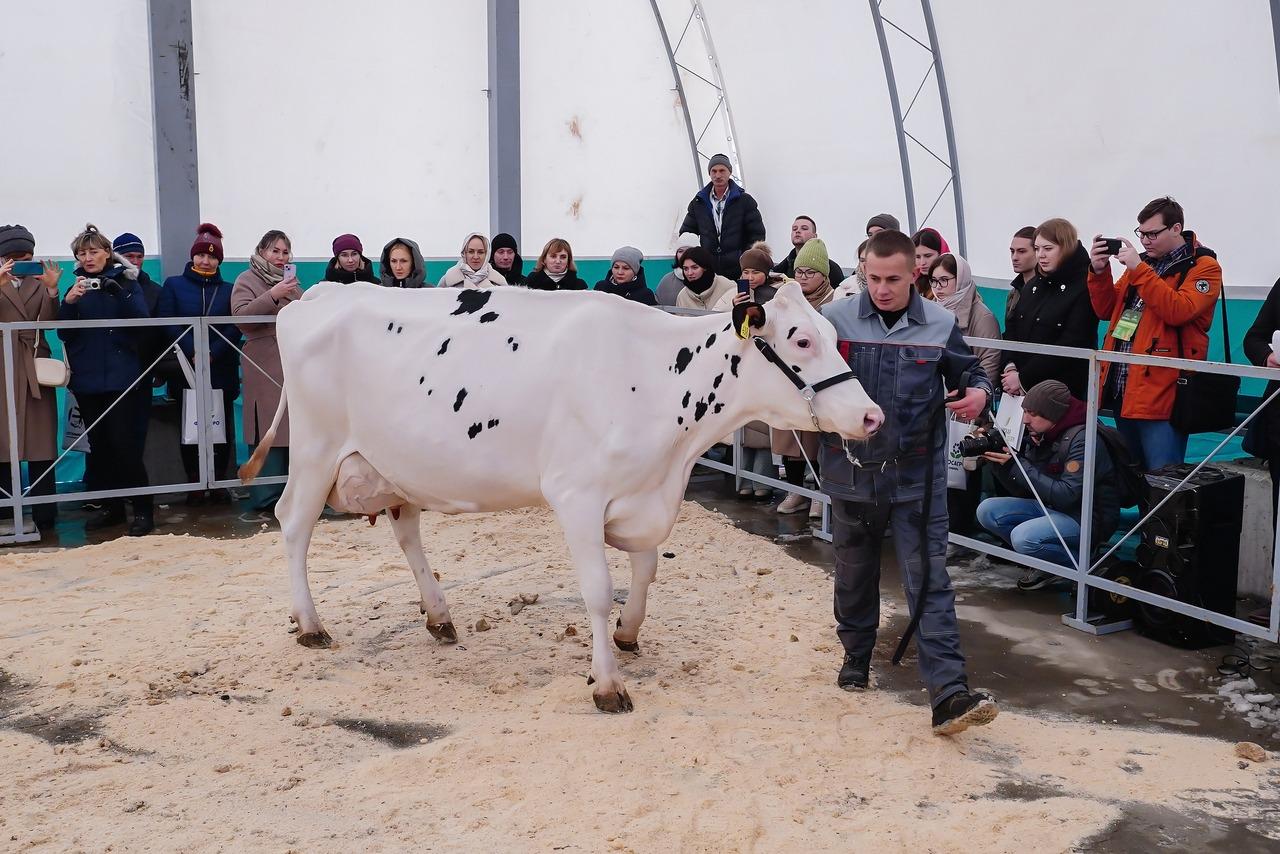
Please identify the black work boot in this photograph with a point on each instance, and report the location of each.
(109, 516)
(962, 710)
(855, 673)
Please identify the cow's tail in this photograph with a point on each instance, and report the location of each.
(250, 470)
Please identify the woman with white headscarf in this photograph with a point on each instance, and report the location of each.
(473, 269)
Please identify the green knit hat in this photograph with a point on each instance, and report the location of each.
(813, 256)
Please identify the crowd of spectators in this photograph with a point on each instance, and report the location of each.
(1162, 304)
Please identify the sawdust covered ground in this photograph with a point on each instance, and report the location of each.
(151, 699)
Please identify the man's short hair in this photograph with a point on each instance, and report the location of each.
(810, 219)
(887, 243)
(1169, 210)
(1027, 232)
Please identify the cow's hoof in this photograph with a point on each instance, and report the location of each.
(443, 632)
(625, 645)
(613, 702)
(315, 640)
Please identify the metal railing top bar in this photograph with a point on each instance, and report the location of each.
(1236, 369)
(125, 322)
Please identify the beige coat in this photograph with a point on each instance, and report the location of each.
(708, 298)
(251, 296)
(976, 320)
(37, 407)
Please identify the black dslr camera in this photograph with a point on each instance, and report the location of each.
(976, 446)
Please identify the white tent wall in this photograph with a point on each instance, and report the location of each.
(604, 150)
(319, 117)
(815, 130)
(77, 145)
(1088, 110)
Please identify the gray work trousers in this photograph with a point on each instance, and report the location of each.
(858, 532)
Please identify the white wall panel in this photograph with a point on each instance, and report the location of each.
(605, 153)
(77, 144)
(1089, 110)
(319, 117)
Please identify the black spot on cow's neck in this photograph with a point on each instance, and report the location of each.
(399, 329)
(471, 301)
(699, 410)
(685, 402)
(795, 368)
(679, 419)
(489, 317)
(733, 365)
(444, 346)
(493, 422)
(716, 382)
(790, 332)
(719, 406)
(711, 339)
(429, 392)
(390, 324)
(515, 345)
(474, 430)
(421, 380)
(633, 388)
(711, 398)
(697, 349)
(457, 403)
(683, 358)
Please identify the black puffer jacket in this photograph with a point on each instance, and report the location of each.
(540, 281)
(636, 290)
(740, 226)
(1263, 438)
(335, 273)
(1055, 309)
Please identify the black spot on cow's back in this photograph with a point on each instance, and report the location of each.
(444, 345)
(493, 422)
(679, 419)
(711, 339)
(699, 410)
(716, 382)
(711, 398)
(421, 380)
(733, 365)
(685, 401)
(471, 301)
(474, 430)
(399, 329)
(390, 324)
(515, 345)
(683, 358)
(718, 407)
(698, 349)
(457, 403)
(633, 388)
(429, 392)
(489, 317)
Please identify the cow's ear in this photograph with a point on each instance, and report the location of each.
(745, 317)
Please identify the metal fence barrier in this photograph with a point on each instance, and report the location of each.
(13, 498)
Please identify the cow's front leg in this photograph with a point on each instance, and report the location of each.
(584, 533)
(408, 530)
(644, 568)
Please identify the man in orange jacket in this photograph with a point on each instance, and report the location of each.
(1162, 306)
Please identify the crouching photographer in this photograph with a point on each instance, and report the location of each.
(1052, 456)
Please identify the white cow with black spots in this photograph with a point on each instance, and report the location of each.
(479, 400)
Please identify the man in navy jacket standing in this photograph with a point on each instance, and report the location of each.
(726, 218)
(909, 355)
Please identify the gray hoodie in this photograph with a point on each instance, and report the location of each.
(417, 279)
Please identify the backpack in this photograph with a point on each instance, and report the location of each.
(1131, 480)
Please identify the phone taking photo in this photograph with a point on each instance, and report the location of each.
(291, 271)
(27, 268)
(744, 287)
(1113, 245)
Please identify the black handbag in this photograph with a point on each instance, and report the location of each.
(1205, 403)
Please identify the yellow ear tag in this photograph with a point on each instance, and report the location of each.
(744, 331)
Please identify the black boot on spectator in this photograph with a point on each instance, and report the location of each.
(855, 673)
(219, 496)
(143, 523)
(109, 516)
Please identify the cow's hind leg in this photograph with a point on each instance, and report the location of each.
(644, 568)
(408, 531)
(583, 526)
(298, 509)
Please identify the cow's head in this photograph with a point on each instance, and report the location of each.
(805, 342)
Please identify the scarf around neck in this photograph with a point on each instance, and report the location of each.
(474, 278)
(268, 273)
(821, 295)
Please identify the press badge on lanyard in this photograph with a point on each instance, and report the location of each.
(1127, 324)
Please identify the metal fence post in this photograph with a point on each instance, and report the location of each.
(15, 464)
(200, 350)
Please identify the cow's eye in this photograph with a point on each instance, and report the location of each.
(802, 343)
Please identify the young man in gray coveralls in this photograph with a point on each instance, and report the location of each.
(908, 353)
